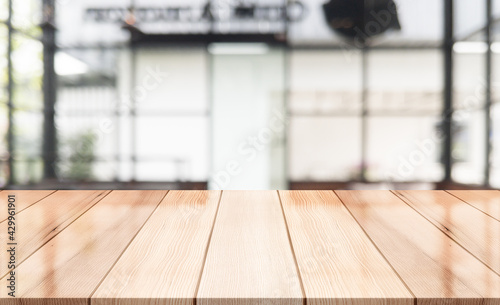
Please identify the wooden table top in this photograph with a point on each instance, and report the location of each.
(251, 247)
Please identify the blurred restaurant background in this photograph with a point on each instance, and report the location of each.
(250, 94)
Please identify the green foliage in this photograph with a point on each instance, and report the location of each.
(80, 158)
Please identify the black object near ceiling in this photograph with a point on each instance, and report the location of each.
(360, 20)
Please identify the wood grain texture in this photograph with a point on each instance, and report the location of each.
(164, 262)
(486, 201)
(249, 260)
(130, 249)
(24, 199)
(68, 269)
(475, 231)
(337, 261)
(435, 268)
(39, 223)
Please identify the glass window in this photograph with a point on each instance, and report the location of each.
(495, 111)
(101, 128)
(168, 113)
(404, 102)
(324, 148)
(27, 100)
(421, 21)
(495, 139)
(4, 122)
(325, 82)
(87, 114)
(95, 108)
(175, 81)
(28, 72)
(4, 10)
(172, 148)
(495, 88)
(405, 82)
(3, 63)
(84, 141)
(469, 81)
(496, 8)
(468, 149)
(404, 149)
(86, 100)
(27, 146)
(469, 19)
(248, 117)
(171, 97)
(469, 68)
(4, 153)
(27, 16)
(324, 103)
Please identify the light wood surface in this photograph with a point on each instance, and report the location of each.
(40, 222)
(247, 247)
(73, 263)
(486, 201)
(24, 199)
(433, 266)
(472, 229)
(336, 259)
(176, 235)
(250, 257)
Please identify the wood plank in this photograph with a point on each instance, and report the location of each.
(250, 257)
(435, 268)
(164, 262)
(486, 201)
(24, 199)
(42, 221)
(475, 231)
(68, 269)
(338, 263)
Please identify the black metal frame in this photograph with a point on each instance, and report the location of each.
(49, 150)
(447, 124)
(488, 93)
(10, 97)
(364, 113)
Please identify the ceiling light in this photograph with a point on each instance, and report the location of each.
(470, 47)
(66, 64)
(238, 48)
